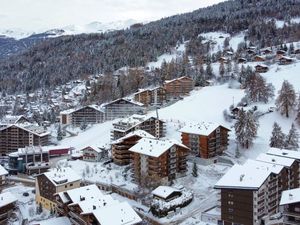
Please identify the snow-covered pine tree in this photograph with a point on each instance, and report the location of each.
(246, 128)
(286, 99)
(292, 139)
(222, 70)
(59, 133)
(277, 139)
(298, 111)
(195, 170)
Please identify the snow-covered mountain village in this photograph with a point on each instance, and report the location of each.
(204, 129)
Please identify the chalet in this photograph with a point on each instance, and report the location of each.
(178, 87)
(7, 206)
(261, 69)
(89, 205)
(258, 58)
(166, 193)
(242, 60)
(285, 60)
(157, 162)
(150, 124)
(52, 182)
(122, 108)
(88, 114)
(267, 51)
(205, 139)
(297, 51)
(30, 160)
(120, 148)
(17, 136)
(223, 60)
(290, 206)
(94, 153)
(251, 51)
(280, 53)
(250, 193)
(3, 175)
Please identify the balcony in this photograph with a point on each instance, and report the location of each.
(78, 219)
(292, 214)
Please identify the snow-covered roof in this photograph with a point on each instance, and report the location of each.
(117, 214)
(139, 133)
(94, 147)
(57, 221)
(84, 193)
(7, 198)
(153, 147)
(164, 191)
(290, 196)
(30, 150)
(90, 205)
(204, 128)
(10, 119)
(284, 153)
(286, 162)
(124, 99)
(3, 171)
(39, 131)
(249, 176)
(62, 176)
(70, 111)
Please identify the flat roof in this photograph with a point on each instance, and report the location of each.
(7, 198)
(290, 196)
(273, 159)
(62, 176)
(284, 153)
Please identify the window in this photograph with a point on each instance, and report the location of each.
(230, 202)
(230, 210)
(71, 185)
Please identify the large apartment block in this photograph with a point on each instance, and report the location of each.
(250, 193)
(15, 136)
(152, 125)
(89, 115)
(50, 183)
(120, 148)
(157, 162)
(178, 87)
(205, 139)
(152, 96)
(122, 108)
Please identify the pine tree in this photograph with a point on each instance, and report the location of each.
(209, 71)
(292, 139)
(195, 170)
(277, 139)
(298, 111)
(286, 99)
(246, 128)
(222, 70)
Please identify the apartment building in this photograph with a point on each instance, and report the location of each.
(205, 139)
(120, 148)
(88, 205)
(157, 162)
(151, 96)
(179, 87)
(52, 182)
(17, 136)
(290, 206)
(250, 193)
(7, 205)
(122, 108)
(150, 124)
(88, 114)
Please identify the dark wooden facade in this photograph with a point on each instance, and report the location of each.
(261, 69)
(5, 212)
(14, 137)
(178, 87)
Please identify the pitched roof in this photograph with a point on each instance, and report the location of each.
(139, 133)
(117, 214)
(284, 153)
(70, 111)
(204, 128)
(290, 196)
(164, 191)
(153, 147)
(278, 160)
(126, 100)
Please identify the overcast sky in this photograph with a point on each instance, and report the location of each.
(47, 14)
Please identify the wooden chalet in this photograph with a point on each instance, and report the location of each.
(91, 114)
(17, 136)
(285, 60)
(178, 87)
(94, 153)
(157, 162)
(242, 60)
(205, 139)
(267, 51)
(7, 206)
(122, 108)
(120, 148)
(280, 53)
(261, 69)
(258, 58)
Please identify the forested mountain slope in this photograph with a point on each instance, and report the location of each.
(59, 60)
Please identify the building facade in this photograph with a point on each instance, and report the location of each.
(178, 87)
(7, 206)
(290, 206)
(15, 136)
(205, 139)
